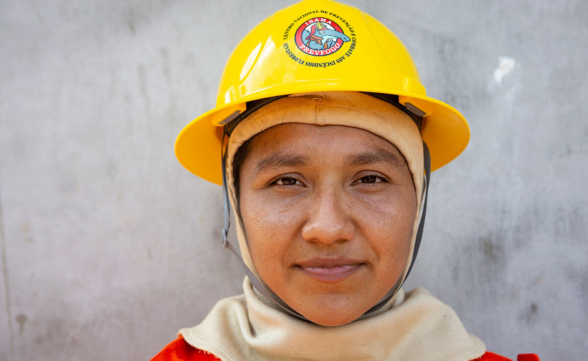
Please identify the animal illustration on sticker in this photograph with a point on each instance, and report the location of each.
(319, 36)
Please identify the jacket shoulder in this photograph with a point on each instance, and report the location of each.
(528, 357)
(489, 356)
(180, 350)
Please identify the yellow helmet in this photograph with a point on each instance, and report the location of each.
(276, 59)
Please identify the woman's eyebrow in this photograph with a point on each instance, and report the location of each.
(378, 156)
(280, 160)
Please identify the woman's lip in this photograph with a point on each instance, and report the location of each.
(331, 274)
(328, 262)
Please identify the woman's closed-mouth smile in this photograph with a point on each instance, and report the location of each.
(329, 270)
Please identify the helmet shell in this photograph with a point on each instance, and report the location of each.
(318, 45)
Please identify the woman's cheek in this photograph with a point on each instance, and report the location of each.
(271, 226)
(387, 226)
(280, 208)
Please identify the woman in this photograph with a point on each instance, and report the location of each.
(326, 157)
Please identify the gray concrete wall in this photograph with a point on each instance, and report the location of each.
(109, 246)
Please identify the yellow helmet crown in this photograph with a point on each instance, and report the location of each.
(282, 56)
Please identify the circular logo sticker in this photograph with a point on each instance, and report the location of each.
(320, 37)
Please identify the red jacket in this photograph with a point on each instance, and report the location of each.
(180, 350)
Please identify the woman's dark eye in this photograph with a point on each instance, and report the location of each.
(286, 181)
(369, 179)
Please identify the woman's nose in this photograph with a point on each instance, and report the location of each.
(328, 219)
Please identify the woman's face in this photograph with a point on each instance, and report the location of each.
(328, 213)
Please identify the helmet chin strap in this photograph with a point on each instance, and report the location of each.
(275, 299)
(226, 244)
(419, 235)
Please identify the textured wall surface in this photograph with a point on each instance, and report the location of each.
(109, 246)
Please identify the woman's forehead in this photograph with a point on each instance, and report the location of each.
(296, 144)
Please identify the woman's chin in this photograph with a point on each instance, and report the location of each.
(332, 310)
(329, 319)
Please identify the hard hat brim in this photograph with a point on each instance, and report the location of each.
(198, 146)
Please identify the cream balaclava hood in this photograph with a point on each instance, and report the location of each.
(412, 326)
